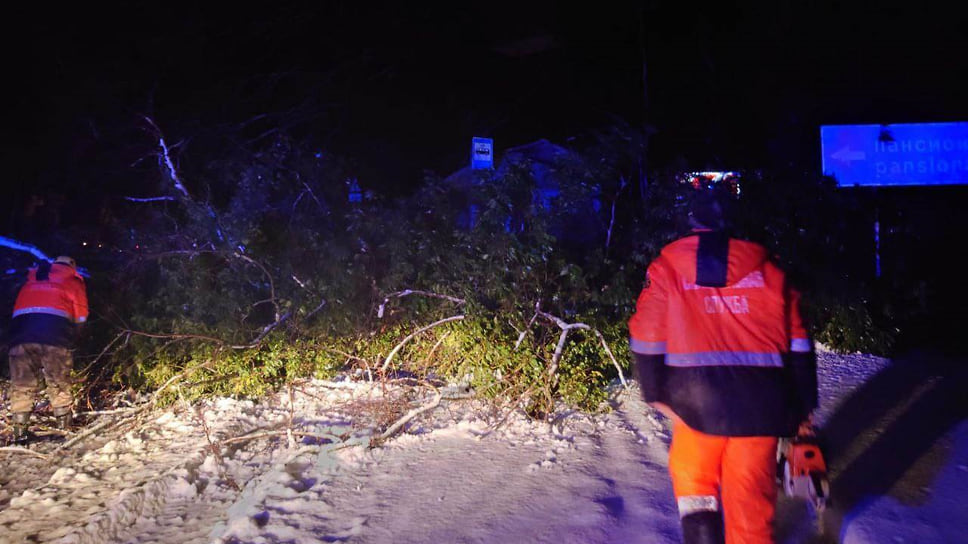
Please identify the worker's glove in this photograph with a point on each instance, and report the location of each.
(806, 427)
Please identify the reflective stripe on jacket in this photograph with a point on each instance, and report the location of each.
(717, 335)
(46, 309)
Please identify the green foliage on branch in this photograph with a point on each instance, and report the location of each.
(276, 275)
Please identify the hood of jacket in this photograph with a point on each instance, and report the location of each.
(743, 258)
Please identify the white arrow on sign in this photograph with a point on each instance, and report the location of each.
(846, 155)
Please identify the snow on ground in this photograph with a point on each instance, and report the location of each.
(450, 477)
(941, 517)
(899, 443)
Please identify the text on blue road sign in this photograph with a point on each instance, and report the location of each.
(900, 154)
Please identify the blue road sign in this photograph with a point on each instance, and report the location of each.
(904, 154)
(482, 153)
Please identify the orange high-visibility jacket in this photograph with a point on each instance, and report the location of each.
(47, 308)
(717, 335)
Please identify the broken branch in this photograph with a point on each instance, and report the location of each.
(165, 158)
(392, 429)
(398, 347)
(408, 292)
(14, 449)
(560, 347)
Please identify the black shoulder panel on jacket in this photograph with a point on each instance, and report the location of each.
(43, 271)
(712, 259)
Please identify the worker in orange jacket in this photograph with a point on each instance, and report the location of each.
(49, 308)
(720, 348)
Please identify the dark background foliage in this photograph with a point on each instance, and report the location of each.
(273, 118)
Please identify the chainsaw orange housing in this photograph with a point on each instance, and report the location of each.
(805, 458)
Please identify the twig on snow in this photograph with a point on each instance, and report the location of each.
(292, 407)
(128, 414)
(213, 445)
(270, 434)
(86, 433)
(117, 411)
(507, 415)
(15, 449)
(392, 429)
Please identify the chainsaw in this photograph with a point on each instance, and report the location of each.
(802, 470)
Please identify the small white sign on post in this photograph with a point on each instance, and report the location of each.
(482, 153)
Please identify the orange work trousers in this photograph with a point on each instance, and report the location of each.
(736, 475)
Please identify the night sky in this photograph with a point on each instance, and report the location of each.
(400, 88)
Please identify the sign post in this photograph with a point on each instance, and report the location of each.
(482, 153)
(894, 155)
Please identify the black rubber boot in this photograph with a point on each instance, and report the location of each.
(703, 528)
(20, 423)
(64, 418)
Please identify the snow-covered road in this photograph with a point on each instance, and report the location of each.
(583, 478)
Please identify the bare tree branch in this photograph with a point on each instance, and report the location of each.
(89, 432)
(312, 194)
(254, 343)
(608, 351)
(566, 328)
(265, 272)
(14, 449)
(386, 363)
(392, 429)
(299, 282)
(269, 434)
(316, 309)
(408, 292)
(290, 440)
(165, 158)
(237, 255)
(524, 333)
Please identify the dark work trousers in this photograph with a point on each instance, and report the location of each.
(31, 362)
